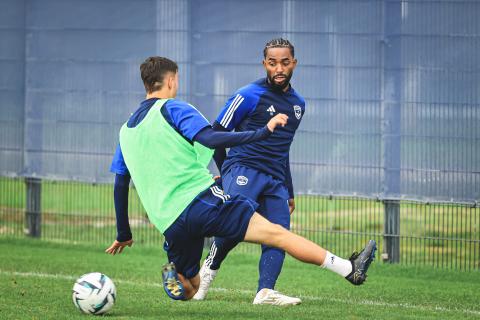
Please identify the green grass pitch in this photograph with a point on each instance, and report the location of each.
(36, 279)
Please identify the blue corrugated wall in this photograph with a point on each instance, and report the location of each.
(392, 87)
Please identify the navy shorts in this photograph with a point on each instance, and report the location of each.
(211, 213)
(271, 194)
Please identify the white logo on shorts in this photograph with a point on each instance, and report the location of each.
(242, 180)
(298, 111)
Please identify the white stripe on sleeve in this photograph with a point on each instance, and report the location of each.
(227, 117)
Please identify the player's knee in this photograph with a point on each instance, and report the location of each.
(277, 235)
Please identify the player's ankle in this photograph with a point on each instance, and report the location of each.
(336, 264)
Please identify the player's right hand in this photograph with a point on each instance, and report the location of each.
(279, 120)
(117, 246)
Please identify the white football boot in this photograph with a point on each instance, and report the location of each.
(206, 278)
(272, 297)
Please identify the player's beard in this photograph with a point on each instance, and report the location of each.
(284, 84)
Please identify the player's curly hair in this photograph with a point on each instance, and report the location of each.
(153, 71)
(278, 43)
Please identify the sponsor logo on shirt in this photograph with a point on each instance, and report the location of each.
(271, 110)
(242, 180)
(298, 111)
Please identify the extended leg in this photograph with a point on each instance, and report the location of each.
(262, 231)
(354, 270)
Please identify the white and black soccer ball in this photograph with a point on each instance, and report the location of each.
(94, 293)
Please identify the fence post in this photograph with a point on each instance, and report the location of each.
(33, 214)
(391, 128)
(391, 230)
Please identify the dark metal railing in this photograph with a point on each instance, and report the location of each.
(440, 235)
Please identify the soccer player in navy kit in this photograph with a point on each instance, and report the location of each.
(260, 170)
(165, 148)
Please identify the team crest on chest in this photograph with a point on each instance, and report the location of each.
(298, 111)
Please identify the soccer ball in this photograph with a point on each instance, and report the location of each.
(94, 293)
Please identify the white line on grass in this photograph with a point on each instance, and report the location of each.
(251, 292)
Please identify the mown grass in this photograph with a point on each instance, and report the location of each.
(36, 278)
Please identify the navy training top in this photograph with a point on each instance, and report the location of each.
(250, 108)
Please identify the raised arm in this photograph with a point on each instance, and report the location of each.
(193, 126)
(218, 139)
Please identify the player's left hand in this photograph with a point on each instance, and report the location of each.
(291, 205)
(118, 246)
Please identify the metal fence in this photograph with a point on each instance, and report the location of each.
(438, 235)
(393, 107)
